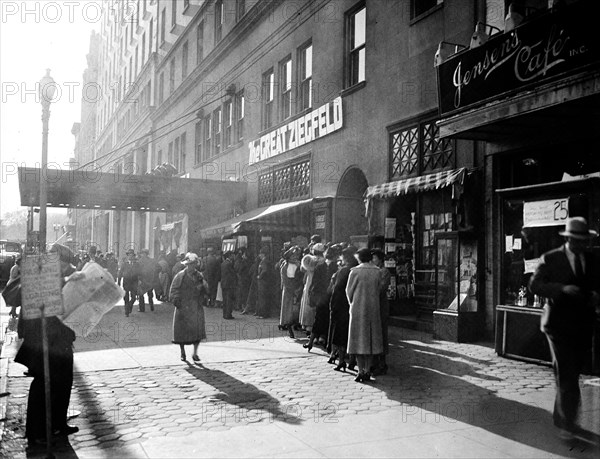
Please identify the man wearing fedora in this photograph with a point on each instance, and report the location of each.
(569, 277)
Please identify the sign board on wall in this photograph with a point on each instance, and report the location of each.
(324, 120)
(552, 212)
(40, 285)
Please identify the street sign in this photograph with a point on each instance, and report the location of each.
(40, 285)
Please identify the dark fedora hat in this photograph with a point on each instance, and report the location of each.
(577, 228)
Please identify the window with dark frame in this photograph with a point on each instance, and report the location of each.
(207, 137)
(198, 142)
(143, 48)
(240, 114)
(285, 74)
(357, 28)
(161, 88)
(268, 89)
(218, 20)
(170, 153)
(173, 13)
(228, 121)
(176, 155)
(163, 19)
(199, 42)
(419, 7)
(182, 151)
(282, 184)
(305, 72)
(417, 149)
(218, 127)
(184, 60)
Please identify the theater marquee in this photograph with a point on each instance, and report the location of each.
(322, 121)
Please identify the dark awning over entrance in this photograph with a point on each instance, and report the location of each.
(98, 190)
(287, 216)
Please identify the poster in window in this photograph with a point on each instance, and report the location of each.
(390, 228)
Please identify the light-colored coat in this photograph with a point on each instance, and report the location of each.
(364, 334)
(307, 314)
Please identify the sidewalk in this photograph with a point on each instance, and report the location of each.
(258, 393)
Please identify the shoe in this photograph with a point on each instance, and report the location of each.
(307, 346)
(331, 360)
(291, 332)
(352, 367)
(183, 357)
(341, 367)
(565, 435)
(359, 378)
(367, 377)
(66, 430)
(195, 358)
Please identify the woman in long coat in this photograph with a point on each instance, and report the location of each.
(378, 260)
(187, 290)
(340, 309)
(308, 264)
(291, 281)
(364, 334)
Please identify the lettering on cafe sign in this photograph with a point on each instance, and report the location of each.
(537, 50)
(324, 120)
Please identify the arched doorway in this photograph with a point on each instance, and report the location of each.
(349, 208)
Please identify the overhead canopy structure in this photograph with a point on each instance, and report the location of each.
(149, 193)
(416, 184)
(288, 216)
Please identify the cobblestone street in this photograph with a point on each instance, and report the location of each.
(439, 399)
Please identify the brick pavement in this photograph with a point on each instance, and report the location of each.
(431, 382)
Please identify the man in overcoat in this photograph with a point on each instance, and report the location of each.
(228, 285)
(569, 277)
(129, 274)
(213, 276)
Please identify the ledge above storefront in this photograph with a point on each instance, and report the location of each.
(546, 72)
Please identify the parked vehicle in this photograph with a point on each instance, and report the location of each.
(9, 250)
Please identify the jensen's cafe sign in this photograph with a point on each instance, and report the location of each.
(557, 42)
(324, 120)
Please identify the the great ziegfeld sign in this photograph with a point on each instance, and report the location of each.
(321, 121)
(558, 42)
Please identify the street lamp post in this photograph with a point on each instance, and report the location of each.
(46, 90)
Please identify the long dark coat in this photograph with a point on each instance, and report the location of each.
(290, 307)
(339, 309)
(320, 297)
(364, 333)
(188, 319)
(265, 287)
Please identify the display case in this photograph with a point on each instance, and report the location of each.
(456, 317)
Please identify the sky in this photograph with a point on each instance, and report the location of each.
(36, 35)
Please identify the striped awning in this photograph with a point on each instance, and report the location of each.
(287, 216)
(416, 184)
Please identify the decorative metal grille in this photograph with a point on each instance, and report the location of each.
(288, 183)
(437, 153)
(418, 149)
(405, 152)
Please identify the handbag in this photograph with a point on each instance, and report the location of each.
(12, 293)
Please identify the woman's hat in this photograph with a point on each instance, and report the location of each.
(318, 247)
(190, 257)
(130, 251)
(64, 253)
(577, 228)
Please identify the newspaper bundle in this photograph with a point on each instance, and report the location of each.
(87, 300)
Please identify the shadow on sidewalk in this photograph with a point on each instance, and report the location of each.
(240, 400)
(445, 396)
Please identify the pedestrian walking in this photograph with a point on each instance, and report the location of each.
(130, 275)
(111, 265)
(60, 354)
(187, 290)
(147, 279)
(364, 333)
(568, 277)
(212, 271)
(339, 308)
(381, 367)
(291, 282)
(228, 285)
(265, 284)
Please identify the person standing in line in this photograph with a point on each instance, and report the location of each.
(364, 333)
(130, 275)
(340, 309)
(212, 270)
(242, 271)
(253, 289)
(148, 272)
(384, 305)
(264, 284)
(308, 264)
(187, 289)
(60, 353)
(569, 277)
(319, 296)
(291, 281)
(228, 285)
